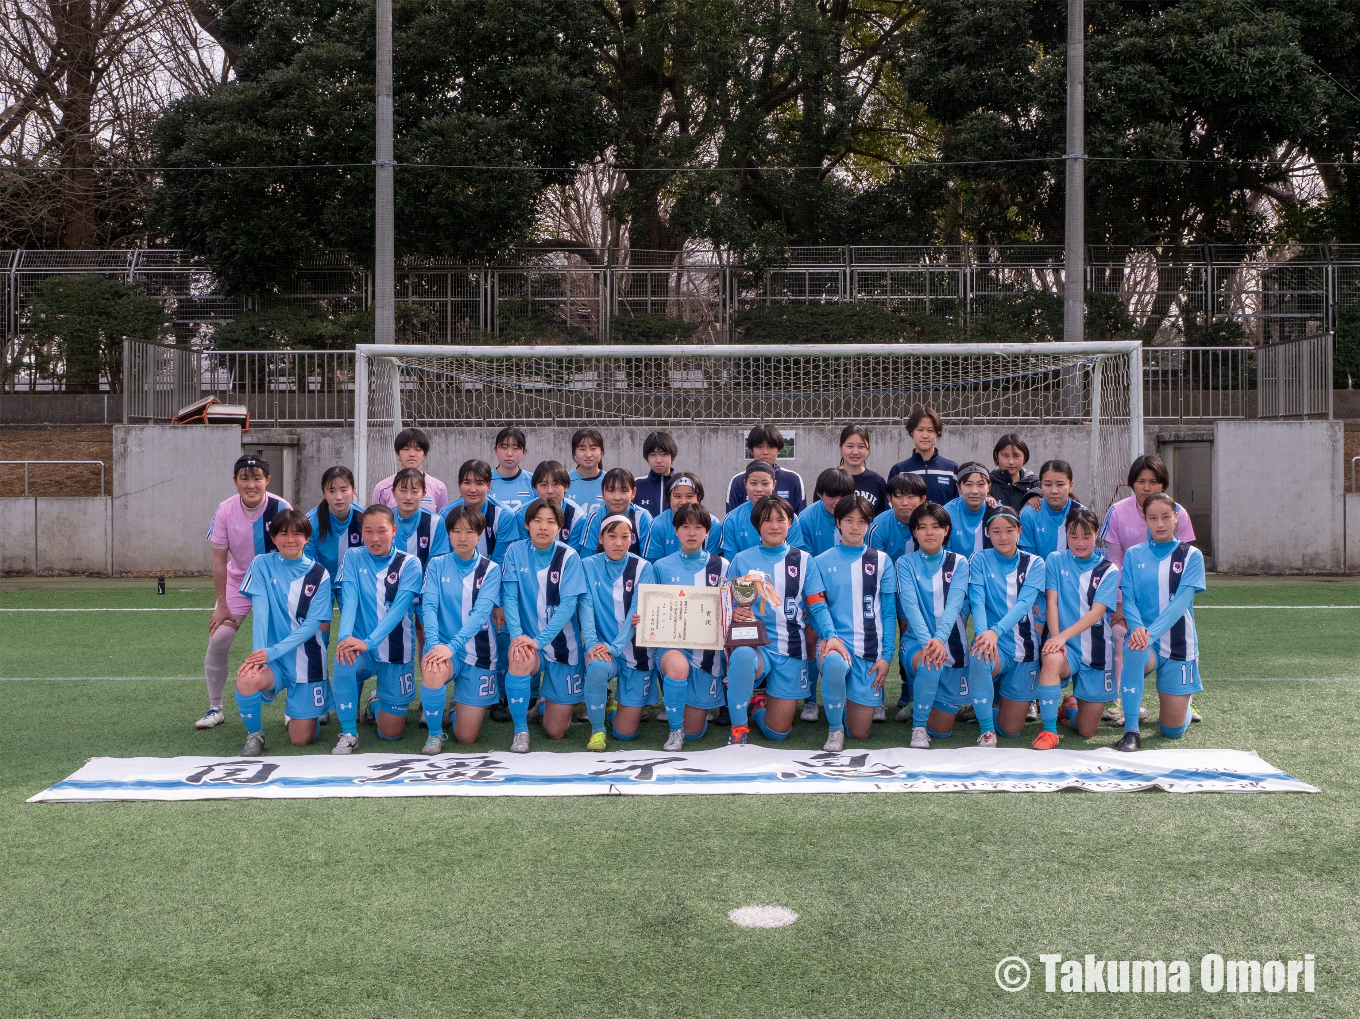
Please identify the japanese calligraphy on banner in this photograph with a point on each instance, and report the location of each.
(747, 769)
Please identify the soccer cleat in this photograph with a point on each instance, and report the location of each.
(1069, 703)
(536, 710)
(723, 718)
(903, 714)
(214, 717)
(580, 714)
(920, 738)
(345, 744)
(835, 742)
(611, 705)
(596, 743)
(367, 715)
(737, 738)
(1045, 741)
(809, 712)
(1112, 715)
(447, 720)
(880, 714)
(675, 741)
(659, 715)
(756, 703)
(520, 744)
(1032, 712)
(1195, 716)
(433, 745)
(987, 739)
(1129, 742)
(966, 714)
(324, 719)
(254, 745)
(500, 713)
(286, 719)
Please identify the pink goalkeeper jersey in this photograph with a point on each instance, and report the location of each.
(1124, 527)
(436, 494)
(244, 534)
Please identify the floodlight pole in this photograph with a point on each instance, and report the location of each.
(384, 283)
(1074, 253)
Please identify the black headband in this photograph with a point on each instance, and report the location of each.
(250, 460)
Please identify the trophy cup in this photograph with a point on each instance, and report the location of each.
(742, 592)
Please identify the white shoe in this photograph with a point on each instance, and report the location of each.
(880, 714)
(286, 719)
(254, 745)
(1142, 714)
(835, 742)
(1032, 712)
(433, 745)
(903, 714)
(987, 739)
(213, 718)
(809, 712)
(1195, 716)
(659, 715)
(675, 741)
(535, 712)
(520, 744)
(920, 738)
(345, 744)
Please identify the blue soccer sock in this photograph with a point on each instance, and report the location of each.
(597, 693)
(981, 685)
(673, 693)
(834, 671)
(700, 733)
(741, 681)
(433, 700)
(345, 684)
(1049, 698)
(517, 700)
(924, 687)
(758, 716)
(250, 705)
(1131, 686)
(625, 736)
(1174, 732)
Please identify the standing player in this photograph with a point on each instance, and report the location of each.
(852, 597)
(239, 532)
(291, 596)
(1043, 530)
(1083, 590)
(692, 682)
(617, 492)
(460, 591)
(925, 428)
(739, 531)
(540, 588)
(1013, 484)
(607, 626)
(782, 664)
(587, 449)
(854, 447)
(412, 446)
(968, 510)
(765, 443)
(1159, 581)
(685, 488)
(551, 482)
(503, 525)
(1003, 585)
(654, 487)
(335, 522)
(511, 486)
(378, 586)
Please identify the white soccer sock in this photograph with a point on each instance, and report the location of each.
(215, 664)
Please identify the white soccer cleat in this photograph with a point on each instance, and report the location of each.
(1032, 712)
(880, 714)
(520, 744)
(286, 719)
(920, 738)
(345, 744)
(809, 712)
(433, 745)
(659, 715)
(675, 741)
(903, 714)
(254, 745)
(835, 742)
(213, 718)
(987, 739)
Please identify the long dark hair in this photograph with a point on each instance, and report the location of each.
(323, 508)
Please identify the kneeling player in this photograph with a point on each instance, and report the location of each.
(1159, 581)
(692, 681)
(852, 597)
(1003, 584)
(460, 591)
(607, 624)
(291, 597)
(540, 588)
(1083, 590)
(378, 585)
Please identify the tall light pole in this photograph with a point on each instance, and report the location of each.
(384, 283)
(1074, 253)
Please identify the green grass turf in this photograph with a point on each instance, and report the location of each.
(617, 906)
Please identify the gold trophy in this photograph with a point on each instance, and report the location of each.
(739, 594)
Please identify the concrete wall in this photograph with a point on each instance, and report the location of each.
(1278, 501)
(1352, 533)
(18, 527)
(56, 535)
(61, 408)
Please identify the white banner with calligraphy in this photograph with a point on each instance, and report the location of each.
(750, 769)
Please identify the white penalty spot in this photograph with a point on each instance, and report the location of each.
(762, 916)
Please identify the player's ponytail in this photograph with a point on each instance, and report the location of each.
(323, 514)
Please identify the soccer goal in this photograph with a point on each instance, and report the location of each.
(1021, 384)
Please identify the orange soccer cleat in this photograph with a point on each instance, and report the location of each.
(1045, 741)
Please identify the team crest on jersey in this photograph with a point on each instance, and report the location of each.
(424, 542)
(628, 585)
(949, 577)
(554, 576)
(793, 571)
(354, 539)
(869, 568)
(1177, 567)
(712, 580)
(392, 577)
(309, 589)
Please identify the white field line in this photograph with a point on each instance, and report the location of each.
(208, 608)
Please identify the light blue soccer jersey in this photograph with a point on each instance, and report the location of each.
(513, 493)
(787, 568)
(290, 599)
(344, 535)
(1153, 577)
(738, 534)
(817, 527)
(607, 611)
(585, 492)
(1002, 593)
(1081, 585)
(574, 521)
(533, 585)
(456, 604)
(504, 527)
(697, 569)
(421, 534)
(638, 516)
(968, 537)
(376, 596)
(854, 589)
(1044, 531)
(891, 535)
(663, 540)
(931, 592)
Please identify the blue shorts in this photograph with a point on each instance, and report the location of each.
(784, 677)
(302, 700)
(1020, 681)
(859, 686)
(705, 689)
(563, 684)
(475, 687)
(953, 688)
(1097, 686)
(636, 687)
(1177, 677)
(396, 681)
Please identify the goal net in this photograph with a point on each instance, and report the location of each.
(1082, 384)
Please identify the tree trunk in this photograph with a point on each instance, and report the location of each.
(73, 21)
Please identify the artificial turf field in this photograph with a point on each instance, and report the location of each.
(617, 906)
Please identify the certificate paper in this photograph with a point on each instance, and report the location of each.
(689, 618)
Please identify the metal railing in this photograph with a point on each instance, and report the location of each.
(1295, 379)
(55, 463)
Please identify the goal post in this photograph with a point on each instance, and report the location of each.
(1095, 385)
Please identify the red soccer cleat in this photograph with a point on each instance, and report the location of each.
(1045, 741)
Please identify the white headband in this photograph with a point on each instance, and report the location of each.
(615, 518)
(682, 482)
